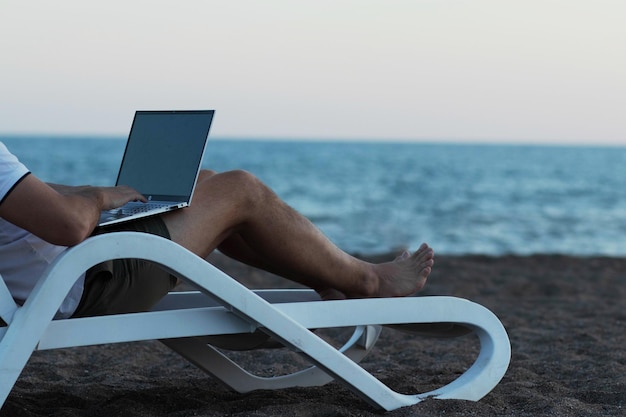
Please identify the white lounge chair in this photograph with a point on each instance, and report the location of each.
(224, 313)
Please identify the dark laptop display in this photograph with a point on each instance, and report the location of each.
(162, 160)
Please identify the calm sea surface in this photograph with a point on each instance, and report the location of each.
(373, 197)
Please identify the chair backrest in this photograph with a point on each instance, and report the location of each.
(8, 307)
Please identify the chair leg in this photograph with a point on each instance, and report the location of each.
(217, 364)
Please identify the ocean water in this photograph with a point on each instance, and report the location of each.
(375, 197)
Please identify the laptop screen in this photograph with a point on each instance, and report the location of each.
(163, 153)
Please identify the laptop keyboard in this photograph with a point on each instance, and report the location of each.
(135, 207)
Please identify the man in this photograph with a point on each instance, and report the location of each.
(232, 211)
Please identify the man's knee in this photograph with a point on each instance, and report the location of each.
(247, 187)
(243, 180)
(236, 175)
(205, 174)
(237, 182)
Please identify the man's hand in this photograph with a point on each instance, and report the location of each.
(115, 197)
(107, 197)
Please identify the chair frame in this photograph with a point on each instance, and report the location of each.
(189, 323)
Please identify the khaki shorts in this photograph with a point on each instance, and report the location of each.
(125, 285)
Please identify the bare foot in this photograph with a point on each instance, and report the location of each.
(405, 275)
(401, 277)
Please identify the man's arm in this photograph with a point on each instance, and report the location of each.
(61, 215)
(67, 189)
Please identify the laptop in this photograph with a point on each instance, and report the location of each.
(162, 161)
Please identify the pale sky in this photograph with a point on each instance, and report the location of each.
(541, 71)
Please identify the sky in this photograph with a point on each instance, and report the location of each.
(528, 71)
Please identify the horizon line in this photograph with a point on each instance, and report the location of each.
(309, 139)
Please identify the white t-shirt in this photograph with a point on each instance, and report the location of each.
(24, 256)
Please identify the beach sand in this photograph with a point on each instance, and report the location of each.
(565, 317)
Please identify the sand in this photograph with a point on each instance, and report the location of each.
(565, 317)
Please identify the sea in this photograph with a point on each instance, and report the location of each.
(371, 197)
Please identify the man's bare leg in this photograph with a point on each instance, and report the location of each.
(236, 248)
(237, 206)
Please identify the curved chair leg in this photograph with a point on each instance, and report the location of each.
(217, 364)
